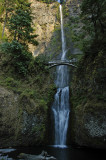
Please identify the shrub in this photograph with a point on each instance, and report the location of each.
(17, 57)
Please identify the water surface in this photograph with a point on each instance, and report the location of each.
(68, 153)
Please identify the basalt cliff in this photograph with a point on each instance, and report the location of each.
(25, 106)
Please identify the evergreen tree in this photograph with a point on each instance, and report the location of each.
(20, 24)
(6, 7)
(93, 15)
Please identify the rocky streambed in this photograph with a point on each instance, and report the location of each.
(22, 156)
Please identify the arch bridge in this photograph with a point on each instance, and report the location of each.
(55, 63)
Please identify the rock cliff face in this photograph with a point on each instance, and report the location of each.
(88, 116)
(8, 115)
(72, 24)
(21, 122)
(45, 21)
(88, 125)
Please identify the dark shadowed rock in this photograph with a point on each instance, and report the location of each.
(43, 156)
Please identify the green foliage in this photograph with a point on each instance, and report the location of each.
(74, 30)
(92, 28)
(20, 25)
(16, 16)
(39, 130)
(51, 92)
(1, 29)
(34, 99)
(17, 57)
(29, 93)
(7, 7)
(16, 53)
(11, 82)
(55, 43)
(76, 56)
(93, 16)
(41, 59)
(38, 66)
(65, 11)
(43, 106)
(89, 77)
(58, 14)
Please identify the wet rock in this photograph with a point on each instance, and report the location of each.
(7, 150)
(43, 156)
(5, 158)
(88, 123)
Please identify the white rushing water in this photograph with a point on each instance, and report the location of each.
(60, 106)
(62, 36)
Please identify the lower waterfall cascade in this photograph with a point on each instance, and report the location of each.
(60, 107)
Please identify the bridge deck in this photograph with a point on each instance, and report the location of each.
(62, 62)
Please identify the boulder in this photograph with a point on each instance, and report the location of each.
(43, 156)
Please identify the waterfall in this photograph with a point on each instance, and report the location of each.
(60, 107)
(62, 35)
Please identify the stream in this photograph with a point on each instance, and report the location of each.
(68, 153)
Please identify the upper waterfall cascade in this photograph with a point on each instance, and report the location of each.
(60, 107)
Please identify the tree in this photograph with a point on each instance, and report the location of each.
(93, 14)
(7, 6)
(17, 57)
(20, 24)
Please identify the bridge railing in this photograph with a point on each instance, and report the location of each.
(62, 61)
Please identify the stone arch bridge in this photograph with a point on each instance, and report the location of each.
(55, 63)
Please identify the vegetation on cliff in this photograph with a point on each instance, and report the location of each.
(89, 77)
(25, 78)
(88, 96)
(23, 75)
